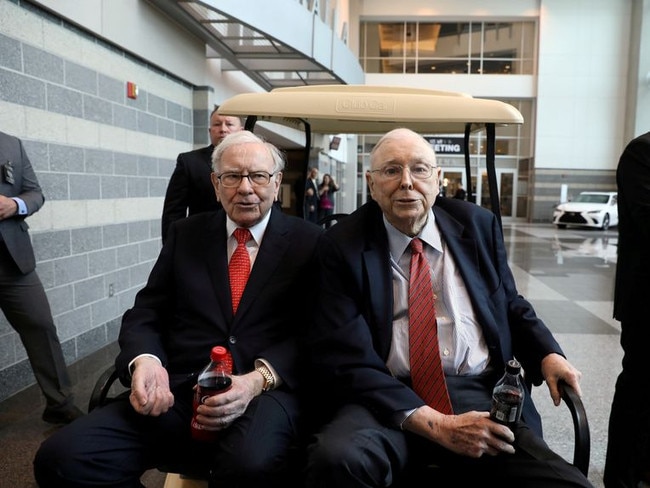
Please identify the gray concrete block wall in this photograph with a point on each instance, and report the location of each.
(91, 276)
(92, 147)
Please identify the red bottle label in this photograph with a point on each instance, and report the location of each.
(207, 387)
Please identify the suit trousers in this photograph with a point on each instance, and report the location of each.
(24, 303)
(114, 445)
(627, 461)
(356, 450)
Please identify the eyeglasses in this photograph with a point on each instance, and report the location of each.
(419, 171)
(233, 180)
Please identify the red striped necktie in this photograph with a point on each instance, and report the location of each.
(427, 375)
(239, 267)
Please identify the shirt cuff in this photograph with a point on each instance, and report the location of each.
(132, 363)
(278, 380)
(22, 208)
(400, 417)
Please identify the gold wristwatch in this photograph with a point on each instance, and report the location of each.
(269, 379)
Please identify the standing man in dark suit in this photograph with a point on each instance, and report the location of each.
(184, 310)
(311, 196)
(190, 190)
(377, 422)
(627, 462)
(22, 297)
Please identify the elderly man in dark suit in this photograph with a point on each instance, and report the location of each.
(22, 297)
(379, 422)
(627, 462)
(184, 310)
(190, 190)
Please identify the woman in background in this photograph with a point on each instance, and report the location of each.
(326, 201)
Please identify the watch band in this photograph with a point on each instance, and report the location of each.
(269, 379)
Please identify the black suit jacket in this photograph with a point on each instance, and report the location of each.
(353, 333)
(14, 230)
(633, 262)
(185, 308)
(190, 189)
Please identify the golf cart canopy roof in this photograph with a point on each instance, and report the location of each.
(364, 109)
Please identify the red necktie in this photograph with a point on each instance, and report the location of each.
(424, 352)
(239, 267)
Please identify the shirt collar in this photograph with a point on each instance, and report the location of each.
(398, 242)
(257, 231)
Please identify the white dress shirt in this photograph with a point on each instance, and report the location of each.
(462, 345)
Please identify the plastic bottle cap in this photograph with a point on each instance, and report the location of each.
(513, 366)
(218, 353)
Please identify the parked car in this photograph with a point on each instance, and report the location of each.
(591, 209)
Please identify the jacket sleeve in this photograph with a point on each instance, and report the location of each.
(30, 190)
(176, 198)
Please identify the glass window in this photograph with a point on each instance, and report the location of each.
(384, 46)
(448, 47)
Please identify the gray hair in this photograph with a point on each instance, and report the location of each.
(246, 137)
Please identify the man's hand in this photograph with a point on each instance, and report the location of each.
(554, 368)
(222, 409)
(150, 394)
(8, 207)
(470, 434)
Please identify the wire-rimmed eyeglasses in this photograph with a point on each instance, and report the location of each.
(256, 178)
(419, 171)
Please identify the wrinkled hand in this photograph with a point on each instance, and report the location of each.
(222, 409)
(470, 434)
(150, 394)
(555, 368)
(8, 207)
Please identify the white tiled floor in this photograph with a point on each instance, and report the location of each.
(568, 276)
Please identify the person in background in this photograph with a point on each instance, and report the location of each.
(627, 461)
(326, 191)
(22, 296)
(184, 310)
(460, 194)
(375, 420)
(311, 196)
(189, 190)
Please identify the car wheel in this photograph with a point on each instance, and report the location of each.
(605, 225)
(561, 226)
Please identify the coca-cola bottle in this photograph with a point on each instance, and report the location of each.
(214, 379)
(508, 396)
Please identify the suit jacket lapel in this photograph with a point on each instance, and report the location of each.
(381, 298)
(380, 283)
(270, 255)
(216, 257)
(464, 250)
(207, 153)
